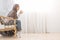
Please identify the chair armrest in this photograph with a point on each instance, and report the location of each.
(8, 18)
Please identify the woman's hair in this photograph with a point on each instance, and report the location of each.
(15, 7)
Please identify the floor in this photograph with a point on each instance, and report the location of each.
(31, 36)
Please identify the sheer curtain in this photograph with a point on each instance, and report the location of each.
(5, 6)
(33, 18)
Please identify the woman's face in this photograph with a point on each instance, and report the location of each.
(17, 8)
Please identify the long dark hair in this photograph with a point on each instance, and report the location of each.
(15, 7)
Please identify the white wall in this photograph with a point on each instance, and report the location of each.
(53, 17)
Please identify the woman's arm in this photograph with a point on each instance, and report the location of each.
(20, 13)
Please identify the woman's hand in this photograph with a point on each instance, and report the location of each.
(20, 12)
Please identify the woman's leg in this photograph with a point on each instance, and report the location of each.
(18, 22)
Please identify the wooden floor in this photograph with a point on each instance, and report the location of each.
(31, 36)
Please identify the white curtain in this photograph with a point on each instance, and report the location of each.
(41, 15)
(5, 6)
(33, 18)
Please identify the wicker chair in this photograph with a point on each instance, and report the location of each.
(8, 24)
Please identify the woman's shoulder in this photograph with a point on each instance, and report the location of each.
(11, 12)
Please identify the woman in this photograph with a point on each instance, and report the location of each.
(13, 14)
